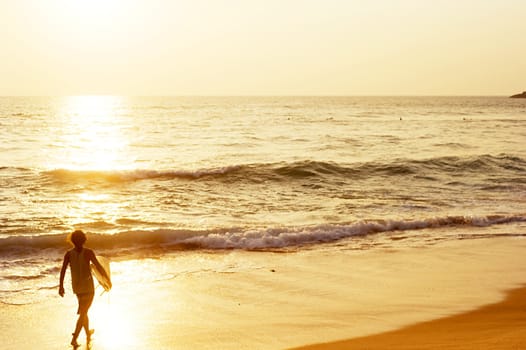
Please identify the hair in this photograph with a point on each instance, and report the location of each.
(77, 238)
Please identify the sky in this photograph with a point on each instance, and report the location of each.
(262, 47)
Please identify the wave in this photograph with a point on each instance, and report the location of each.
(67, 175)
(12, 168)
(162, 240)
(282, 171)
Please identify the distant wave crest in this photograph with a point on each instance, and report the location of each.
(282, 171)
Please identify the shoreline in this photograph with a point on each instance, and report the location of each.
(494, 326)
(235, 300)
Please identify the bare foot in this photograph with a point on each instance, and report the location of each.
(88, 336)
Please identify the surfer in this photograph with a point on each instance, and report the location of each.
(79, 259)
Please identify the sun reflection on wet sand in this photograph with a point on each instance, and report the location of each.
(134, 315)
(114, 314)
(114, 324)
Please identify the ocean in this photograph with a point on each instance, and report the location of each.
(163, 177)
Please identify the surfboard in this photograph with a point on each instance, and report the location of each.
(103, 281)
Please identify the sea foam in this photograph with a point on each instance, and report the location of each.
(163, 240)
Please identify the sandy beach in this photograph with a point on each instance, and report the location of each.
(270, 175)
(492, 327)
(242, 300)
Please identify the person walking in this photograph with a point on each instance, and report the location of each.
(79, 259)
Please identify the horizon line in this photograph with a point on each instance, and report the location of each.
(264, 95)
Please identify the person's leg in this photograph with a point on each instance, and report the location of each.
(85, 301)
(78, 327)
(88, 331)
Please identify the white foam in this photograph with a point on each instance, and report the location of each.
(294, 237)
(239, 238)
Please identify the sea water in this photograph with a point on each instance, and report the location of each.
(158, 176)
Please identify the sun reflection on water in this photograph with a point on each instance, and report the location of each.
(94, 210)
(91, 144)
(92, 135)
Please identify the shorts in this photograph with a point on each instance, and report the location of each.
(85, 300)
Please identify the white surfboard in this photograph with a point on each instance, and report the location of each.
(103, 281)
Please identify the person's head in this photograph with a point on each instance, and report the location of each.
(77, 238)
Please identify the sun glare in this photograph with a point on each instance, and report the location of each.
(115, 328)
(118, 316)
(92, 136)
(93, 11)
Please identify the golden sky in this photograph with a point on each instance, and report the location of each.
(262, 47)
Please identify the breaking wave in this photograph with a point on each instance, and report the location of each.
(162, 240)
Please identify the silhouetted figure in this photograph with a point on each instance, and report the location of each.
(79, 259)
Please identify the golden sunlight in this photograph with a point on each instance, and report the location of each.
(117, 315)
(115, 328)
(91, 135)
(93, 12)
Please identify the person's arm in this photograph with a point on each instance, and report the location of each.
(63, 273)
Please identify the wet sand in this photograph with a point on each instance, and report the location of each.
(268, 301)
